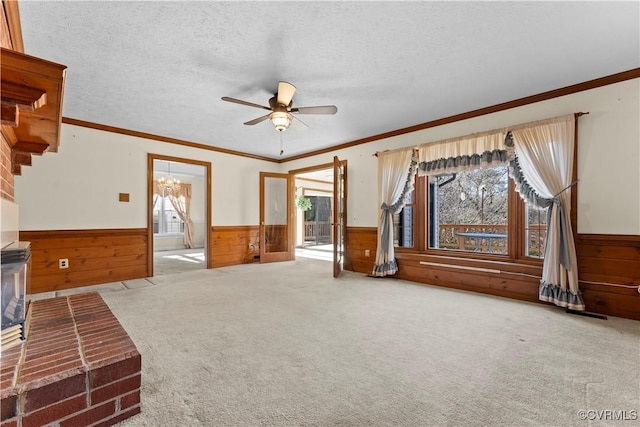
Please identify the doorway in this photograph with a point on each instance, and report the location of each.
(179, 214)
(314, 212)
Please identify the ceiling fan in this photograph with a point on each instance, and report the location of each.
(281, 108)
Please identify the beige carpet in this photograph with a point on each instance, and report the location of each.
(284, 344)
(178, 261)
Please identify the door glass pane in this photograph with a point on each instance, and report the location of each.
(275, 214)
(340, 219)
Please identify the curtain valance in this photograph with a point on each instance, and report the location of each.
(463, 146)
(463, 153)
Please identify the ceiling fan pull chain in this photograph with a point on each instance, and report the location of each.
(281, 147)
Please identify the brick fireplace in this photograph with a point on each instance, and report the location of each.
(77, 367)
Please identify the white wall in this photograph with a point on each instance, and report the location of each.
(198, 210)
(608, 156)
(9, 218)
(77, 188)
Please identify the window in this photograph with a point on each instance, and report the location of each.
(468, 211)
(470, 214)
(403, 229)
(536, 230)
(165, 217)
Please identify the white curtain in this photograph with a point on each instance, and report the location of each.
(396, 175)
(180, 199)
(544, 153)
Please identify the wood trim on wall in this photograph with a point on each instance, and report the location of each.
(95, 256)
(315, 168)
(234, 244)
(160, 138)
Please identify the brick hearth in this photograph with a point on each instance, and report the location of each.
(78, 367)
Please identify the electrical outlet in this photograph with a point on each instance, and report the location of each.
(63, 263)
(367, 252)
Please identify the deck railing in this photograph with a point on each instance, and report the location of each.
(317, 232)
(450, 238)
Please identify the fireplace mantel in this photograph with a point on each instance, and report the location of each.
(32, 91)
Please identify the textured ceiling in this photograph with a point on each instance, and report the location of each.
(162, 67)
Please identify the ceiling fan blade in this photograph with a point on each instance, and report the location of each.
(239, 101)
(285, 93)
(325, 109)
(258, 120)
(298, 120)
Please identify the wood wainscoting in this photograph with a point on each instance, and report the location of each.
(95, 256)
(232, 245)
(358, 240)
(609, 268)
(608, 265)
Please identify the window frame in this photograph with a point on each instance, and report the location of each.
(414, 234)
(516, 249)
(161, 214)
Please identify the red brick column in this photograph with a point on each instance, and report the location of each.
(77, 367)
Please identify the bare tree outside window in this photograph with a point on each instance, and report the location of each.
(469, 210)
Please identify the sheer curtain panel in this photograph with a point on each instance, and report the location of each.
(181, 201)
(542, 169)
(396, 175)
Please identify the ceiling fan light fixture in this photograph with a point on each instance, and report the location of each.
(280, 119)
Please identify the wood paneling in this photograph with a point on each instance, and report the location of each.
(494, 278)
(232, 245)
(609, 268)
(608, 265)
(357, 241)
(95, 256)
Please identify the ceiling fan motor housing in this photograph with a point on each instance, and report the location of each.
(281, 107)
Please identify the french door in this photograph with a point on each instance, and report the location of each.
(339, 213)
(275, 213)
